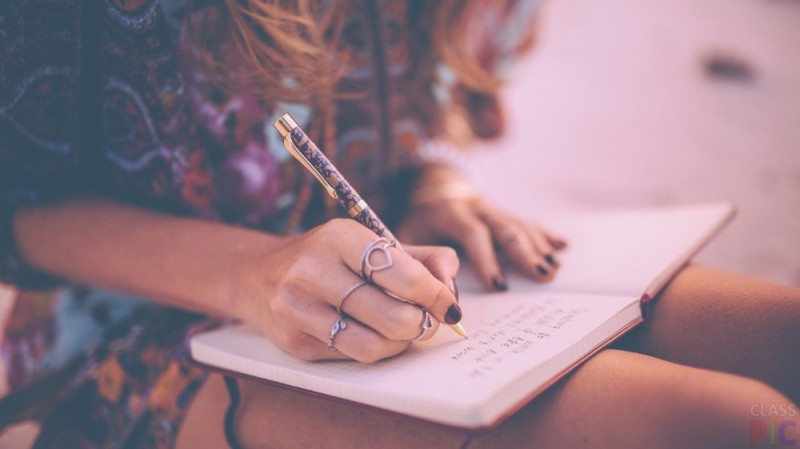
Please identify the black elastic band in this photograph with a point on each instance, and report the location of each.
(230, 413)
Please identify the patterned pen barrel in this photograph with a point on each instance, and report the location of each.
(306, 151)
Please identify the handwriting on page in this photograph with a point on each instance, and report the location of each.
(514, 334)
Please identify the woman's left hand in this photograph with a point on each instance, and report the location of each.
(485, 234)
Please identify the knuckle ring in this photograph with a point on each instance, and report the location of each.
(424, 326)
(337, 327)
(382, 245)
(347, 293)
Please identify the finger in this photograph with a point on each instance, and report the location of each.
(426, 328)
(475, 237)
(556, 241)
(441, 261)
(531, 259)
(526, 245)
(307, 347)
(518, 244)
(393, 319)
(402, 275)
(355, 341)
(543, 246)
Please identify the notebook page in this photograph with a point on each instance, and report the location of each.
(623, 252)
(446, 379)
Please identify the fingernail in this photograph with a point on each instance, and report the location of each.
(542, 270)
(454, 289)
(499, 283)
(453, 314)
(551, 260)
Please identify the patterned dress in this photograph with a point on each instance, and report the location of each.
(95, 97)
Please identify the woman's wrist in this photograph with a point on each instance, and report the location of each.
(439, 182)
(427, 194)
(256, 274)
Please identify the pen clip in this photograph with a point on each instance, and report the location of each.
(292, 148)
(285, 125)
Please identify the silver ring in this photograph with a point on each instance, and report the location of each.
(424, 326)
(347, 293)
(337, 327)
(381, 244)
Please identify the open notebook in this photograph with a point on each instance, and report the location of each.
(520, 342)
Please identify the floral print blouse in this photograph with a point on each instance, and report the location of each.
(96, 98)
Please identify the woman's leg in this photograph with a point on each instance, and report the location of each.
(729, 322)
(621, 399)
(274, 417)
(617, 399)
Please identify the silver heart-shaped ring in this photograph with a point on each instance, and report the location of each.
(382, 245)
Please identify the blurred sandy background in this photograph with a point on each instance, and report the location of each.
(634, 103)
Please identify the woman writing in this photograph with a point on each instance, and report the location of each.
(138, 156)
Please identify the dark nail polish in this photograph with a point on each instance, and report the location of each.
(455, 288)
(499, 283)
(551, 260)
(542, 270)
(453, 314)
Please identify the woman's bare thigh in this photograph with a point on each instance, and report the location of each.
(618, 399)
(621, 399)
(274, 417)
(725, 321)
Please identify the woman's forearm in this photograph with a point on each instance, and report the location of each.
(188, 263)
(289, 287)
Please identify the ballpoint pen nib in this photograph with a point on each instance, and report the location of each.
(459, 330)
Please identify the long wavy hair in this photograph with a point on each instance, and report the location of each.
(284, 49)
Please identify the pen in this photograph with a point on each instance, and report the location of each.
(311, 157)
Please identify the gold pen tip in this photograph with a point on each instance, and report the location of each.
(459, 329)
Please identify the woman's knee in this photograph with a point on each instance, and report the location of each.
(704, 311)
(662, 404)
(724, 410)
(627, 400)
(693, 407)
(707, 293)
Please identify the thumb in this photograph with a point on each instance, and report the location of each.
(441, 261)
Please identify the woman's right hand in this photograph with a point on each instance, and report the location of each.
(295, 289)
(287, 286)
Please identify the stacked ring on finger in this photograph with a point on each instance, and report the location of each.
(424, 326)
(337, 327)
(381, 244)
(347, 293)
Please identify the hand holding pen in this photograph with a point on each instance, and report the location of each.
(383, 261)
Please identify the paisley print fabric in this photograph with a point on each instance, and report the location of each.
(97, 97)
